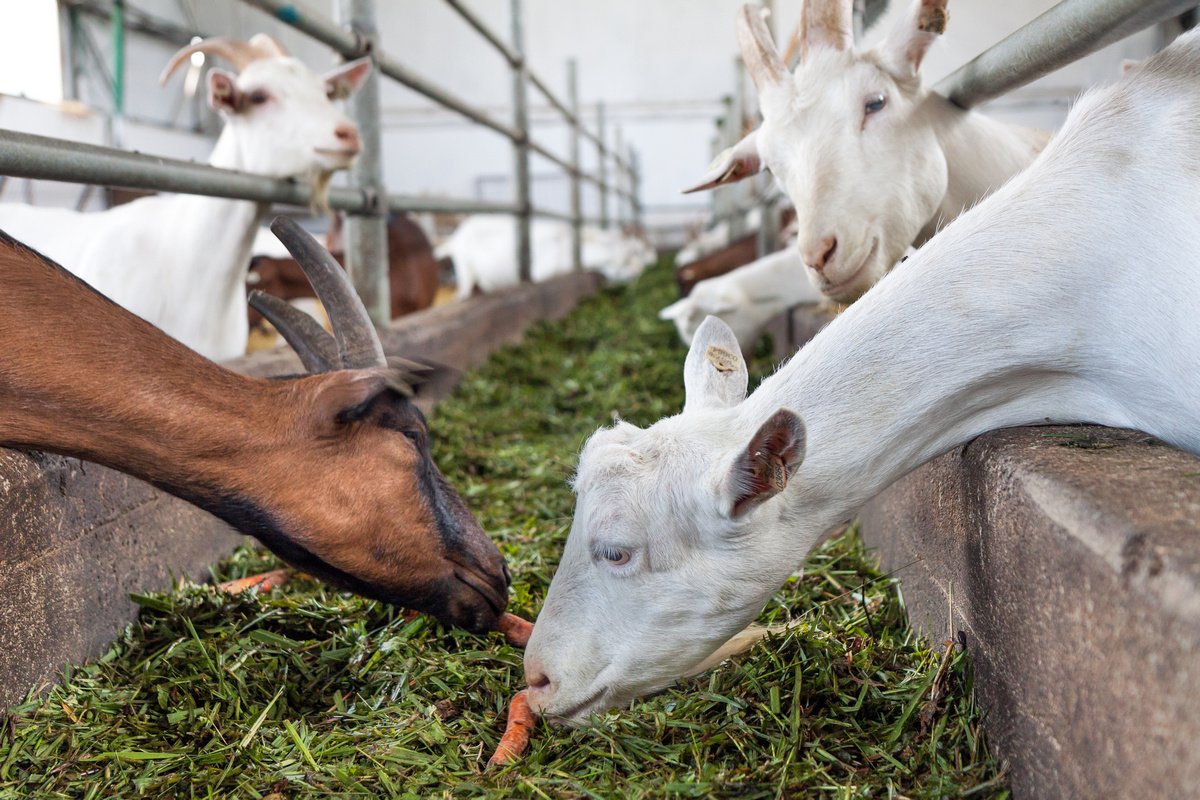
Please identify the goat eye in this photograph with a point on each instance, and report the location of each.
(875, 104)
(258, 97)
(617, 556)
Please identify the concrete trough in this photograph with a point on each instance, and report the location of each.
(1066, 560)
(76, 539)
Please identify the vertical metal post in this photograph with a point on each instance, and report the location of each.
(366, 234)
(602, 163)
(576, 182)
(737, 117)
(521, 147)
(635, 177)
(618, 175)
(118, 33)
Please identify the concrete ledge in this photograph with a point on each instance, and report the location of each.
(76, 539)
(1067, 561)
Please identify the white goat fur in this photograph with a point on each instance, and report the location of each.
(876, 182)
(180, 261)
(1069, 295)
(483, 249)
(745, 299)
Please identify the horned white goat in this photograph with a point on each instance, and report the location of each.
(745, 299)
(483, 249)
(1029, 308)
(180, 261)
(873, 161)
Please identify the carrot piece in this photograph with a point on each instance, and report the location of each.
(516, 630)
(262, 583)
(520, 724)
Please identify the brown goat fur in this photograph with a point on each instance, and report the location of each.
(331, 471)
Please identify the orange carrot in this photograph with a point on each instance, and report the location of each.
(261, 583)
(520, 724)
(516, 630)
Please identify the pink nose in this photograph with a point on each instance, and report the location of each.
(819, 255)
(535, 676)
(348, 136)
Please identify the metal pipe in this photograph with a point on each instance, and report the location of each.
(118, 32)
(618, 178)
(349, 46)
(400, 202)
(1067, 32)
(521, 147)
(576, 172)
(546, 213)
(513, 57)
(571, 117)
(602, 164)
(636, 176)
(24, 155)
(366, 234)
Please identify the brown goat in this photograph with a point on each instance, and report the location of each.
(412, 269)
(331, 471)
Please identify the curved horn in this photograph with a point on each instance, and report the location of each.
(829, 23)
(357, 342)
(269, 46)
(759, 53)
(316, 348)
(235, 51)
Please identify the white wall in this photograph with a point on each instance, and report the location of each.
(661, 66)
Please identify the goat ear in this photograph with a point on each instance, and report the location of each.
(674, 310)
(714, 374)
(763, 469)
(223, 93)
(347, 396)
(740, 161)
(904, 48)
(347, 79)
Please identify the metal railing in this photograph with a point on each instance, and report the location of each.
(367, 202)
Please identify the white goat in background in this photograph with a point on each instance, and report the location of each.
(180, 261)
(873, 161)
(483, 248)
(745, 299)
(1029, 308)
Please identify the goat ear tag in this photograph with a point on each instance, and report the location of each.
(721, 359)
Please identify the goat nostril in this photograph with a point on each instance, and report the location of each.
(537, 680)
(819, 255)
(347, 134)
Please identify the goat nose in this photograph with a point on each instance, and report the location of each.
(535, 675)
(347, 135)
(818, 256)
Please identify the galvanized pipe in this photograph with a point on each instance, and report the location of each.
(1067, 32)
(636, 199)
(24, 155)
(401, 202)
(521, 147)
(618, 178)
(576, 172)
(118, 32)
(571, 117)
(602, 164)
(512, 56)
(366, 234)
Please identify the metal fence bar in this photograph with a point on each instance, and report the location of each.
(366, 234)
(636, 175)
(1067, 32)
(521, 147)
(546, 213)
(576, 172)
(511, 55)
(24, 155)
(618, 178)
(570, 116)
(449, 205)
(602, 165)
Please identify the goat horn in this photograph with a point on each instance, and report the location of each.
(268, 45)
(828, 23)
(235, 51)
(357, 342)
(759, 53)
(316, 348)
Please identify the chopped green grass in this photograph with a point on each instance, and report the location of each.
(308, 692)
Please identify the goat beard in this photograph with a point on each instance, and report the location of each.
(319, 204)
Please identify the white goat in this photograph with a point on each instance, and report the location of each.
(745, 299)
(714, 238)
(873, 161)
(483, 249)
(180, 261)
(1029, 308)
